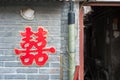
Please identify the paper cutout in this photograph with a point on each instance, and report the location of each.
(33, 46)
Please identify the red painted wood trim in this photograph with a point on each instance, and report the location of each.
(81, 54)
(102, 4)
(76, 75)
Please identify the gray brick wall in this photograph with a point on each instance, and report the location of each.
(52, 17)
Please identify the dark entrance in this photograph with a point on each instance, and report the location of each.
(102, 44)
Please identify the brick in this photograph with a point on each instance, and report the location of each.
(44, 71)
(7, 52)
(1, 64)
(7, 39)
(3, 33)
(54, 58)
(9, 33)
(49, 71)
(1, 77)
(6, 46)
(55, 65)
(7, 70)
(43, 16)
(15, 76)
(13, 79)
(50, 22)
(9, 27)
(1, 52)
(38, 77)
(20, 70)
(55, 77)
(46, 65)
(7, 58)
(7, 22)
(55, 71)
(2, 27)
(58, 79)
(12, 64)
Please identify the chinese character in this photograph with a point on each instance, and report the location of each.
(33, 46)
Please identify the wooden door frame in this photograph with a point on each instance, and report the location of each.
(81, 31)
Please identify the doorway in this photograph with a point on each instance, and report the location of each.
(102, 43)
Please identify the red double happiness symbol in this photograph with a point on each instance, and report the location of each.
(33, 46)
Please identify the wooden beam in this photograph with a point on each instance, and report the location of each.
(102, 4)
(81, 72)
